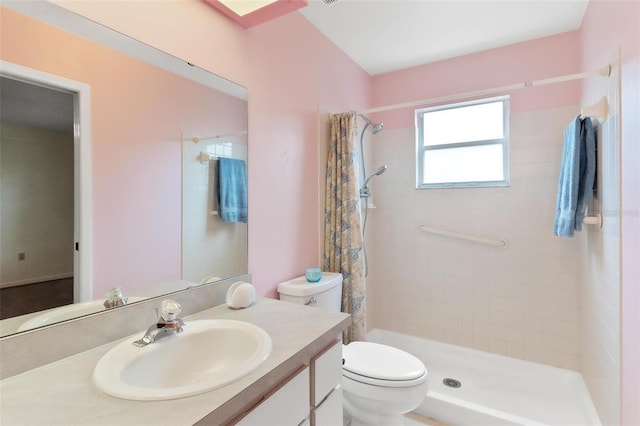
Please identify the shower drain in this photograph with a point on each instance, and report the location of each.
(452, 383)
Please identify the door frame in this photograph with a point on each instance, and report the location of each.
(83, 202)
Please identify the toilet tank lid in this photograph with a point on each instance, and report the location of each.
(301, 287)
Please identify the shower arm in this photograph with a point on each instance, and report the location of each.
(364, 185)
(376, 128)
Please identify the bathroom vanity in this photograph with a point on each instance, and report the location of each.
(297, 384)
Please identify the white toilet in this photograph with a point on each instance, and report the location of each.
(380, 382)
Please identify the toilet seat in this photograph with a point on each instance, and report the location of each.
(381, 365)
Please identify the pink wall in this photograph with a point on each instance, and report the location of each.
(290, 69)
(187, 29)
(297, 70)
(485, 70)
(609, 26)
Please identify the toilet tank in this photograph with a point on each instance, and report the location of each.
(325, 294)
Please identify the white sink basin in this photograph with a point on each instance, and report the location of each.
(63, 313)
(208, 354)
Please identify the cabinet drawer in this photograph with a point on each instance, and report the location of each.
(329, 413)
(288, 406)
(326, 372)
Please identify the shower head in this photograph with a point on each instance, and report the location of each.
(376, 127)
(380, 170)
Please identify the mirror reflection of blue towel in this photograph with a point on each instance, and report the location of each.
(232, 190)
(577, 175)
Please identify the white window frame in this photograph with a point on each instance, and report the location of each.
(421, 148)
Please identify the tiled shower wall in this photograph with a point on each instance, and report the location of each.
(522, 301)
(600, 262)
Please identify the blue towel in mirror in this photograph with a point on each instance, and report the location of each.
(577, 176)
(232, 190)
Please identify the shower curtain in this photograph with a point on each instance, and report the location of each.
(342, 232)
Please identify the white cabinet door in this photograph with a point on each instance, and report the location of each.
(327, 372)
(288, 406)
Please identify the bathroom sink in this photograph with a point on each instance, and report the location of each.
(66, 312)
(207, 355)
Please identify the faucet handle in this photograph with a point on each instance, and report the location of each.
(115, 298)
(170, 309)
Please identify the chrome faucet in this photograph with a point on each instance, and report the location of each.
(115, 298)
(167, 324)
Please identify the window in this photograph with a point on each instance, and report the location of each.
(464, 144)
(221, 149)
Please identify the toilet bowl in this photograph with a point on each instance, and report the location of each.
(380, 383)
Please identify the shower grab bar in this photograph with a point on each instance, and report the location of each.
(502, 243)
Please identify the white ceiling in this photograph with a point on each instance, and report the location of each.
(387, 35)
(37, 106)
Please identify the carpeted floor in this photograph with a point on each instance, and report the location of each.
(25, 299)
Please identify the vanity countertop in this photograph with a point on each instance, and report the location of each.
(62, 393)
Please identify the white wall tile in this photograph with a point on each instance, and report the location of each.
(599, 260)
(552, 357)
(498, 346)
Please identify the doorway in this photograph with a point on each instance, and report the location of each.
(44, 191)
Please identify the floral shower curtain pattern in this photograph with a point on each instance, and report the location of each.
(342, 235)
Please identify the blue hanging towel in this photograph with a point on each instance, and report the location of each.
(232, 190)
(577, 176)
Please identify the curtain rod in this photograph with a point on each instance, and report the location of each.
(603, 72)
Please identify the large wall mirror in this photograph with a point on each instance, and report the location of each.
(110, 173)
